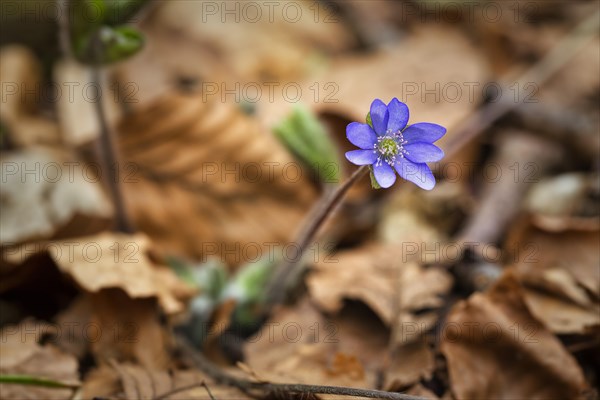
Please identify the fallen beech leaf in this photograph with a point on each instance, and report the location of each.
(423, 218)
(111, 325)
(135, 382)
(299, 345)
(129, 330)
(408, 364)
(363, 274)
(237, 191)
(102, 381)
(560, 273)
(19, 78)
(374, 275)
(371, 274)
(115, 260)
(22, 355)
(78, 314)
(575, 252)
(411, 359)
(560, 316)
(19, 69)
(420, 390)
(564, 202)
(76, 110)
(42, 191)
(496, 349)
(231, 51)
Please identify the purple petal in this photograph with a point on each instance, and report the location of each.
(384, 175)
(423, 132)
(361, 157)
(398, 115)
(379, 116)
(421, 152)
(419, 174)
(361, 135)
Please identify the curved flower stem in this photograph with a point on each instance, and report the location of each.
(326, 206)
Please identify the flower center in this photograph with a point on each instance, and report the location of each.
(389, 147)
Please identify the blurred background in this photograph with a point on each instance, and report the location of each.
(159, 158)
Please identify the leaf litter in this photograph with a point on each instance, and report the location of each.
(383, 311)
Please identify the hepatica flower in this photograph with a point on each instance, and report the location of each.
(388, 145)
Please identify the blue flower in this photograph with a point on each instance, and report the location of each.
(387, 145)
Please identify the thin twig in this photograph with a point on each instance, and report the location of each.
(571, 128)
(108, 156)
(64, 28)
(560, 55)
(324, 209)
(501, 199)
(248, 386)
(500, 202)
(184, 388)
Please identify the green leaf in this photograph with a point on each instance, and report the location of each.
(212, 277)
(368, 119)
(304, 135)
(248, 288)
(182, 270)
(248, 284)
(36, 381)
(95, 35)
(119, 43)
(85, 19)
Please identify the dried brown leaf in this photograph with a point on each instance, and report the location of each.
(110, 325)
(135, 382)
(21, 85)
(130, 330)
(495, 348)
(561, 276)
(76, 108)
(234, 50)
(114, 260)
(409, 363)
(299, 345)
(230, 192)
(22, 355)
(376, 275)
(565, 202)
(39, 203)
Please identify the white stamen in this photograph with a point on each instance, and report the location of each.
(389, 147)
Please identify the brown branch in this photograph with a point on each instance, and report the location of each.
(571, 128)
(522, 159)
(249, 386)
(324, 209)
